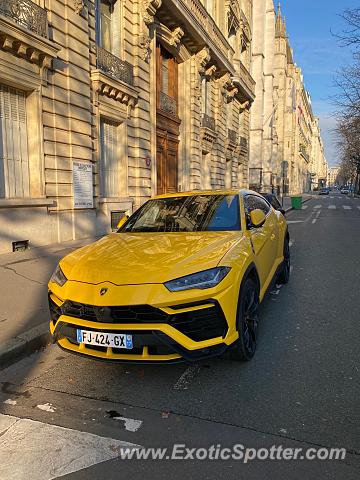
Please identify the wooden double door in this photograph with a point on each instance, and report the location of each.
(167, 122)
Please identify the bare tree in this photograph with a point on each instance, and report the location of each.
(348, 102)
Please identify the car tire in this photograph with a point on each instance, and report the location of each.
(284, 275)
(247, 322)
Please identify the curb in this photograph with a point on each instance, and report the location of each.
(24, 345)
(304, 201)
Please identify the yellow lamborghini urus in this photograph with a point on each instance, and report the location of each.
(181, 279)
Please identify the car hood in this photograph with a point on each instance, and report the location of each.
(140, 258)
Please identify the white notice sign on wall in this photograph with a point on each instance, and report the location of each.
(83, 185)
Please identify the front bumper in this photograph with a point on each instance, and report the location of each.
(188, 331)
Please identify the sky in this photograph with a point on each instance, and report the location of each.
(310, 24)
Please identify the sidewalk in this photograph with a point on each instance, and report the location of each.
(24, 316)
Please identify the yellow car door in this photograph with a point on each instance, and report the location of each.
(263, 239)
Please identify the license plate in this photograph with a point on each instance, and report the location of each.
(115, 340)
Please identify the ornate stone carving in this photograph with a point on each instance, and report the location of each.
(202, 58)
(114, 89)
(79, 6)
(244, 106)
(26, 51)
(227, 88)
(149, 8)
(209, 72)
(148, 11)
(176, 36)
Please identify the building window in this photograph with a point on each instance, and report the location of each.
(110, 159)
(14, 158)
(108, 25)
(206, 97)
(165, 75)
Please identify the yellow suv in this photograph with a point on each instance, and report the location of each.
(181, 279)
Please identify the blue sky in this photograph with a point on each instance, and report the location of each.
(316, 51)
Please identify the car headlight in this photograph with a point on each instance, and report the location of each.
(206, 279)
(58, 277)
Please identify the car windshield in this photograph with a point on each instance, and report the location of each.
(195, 213)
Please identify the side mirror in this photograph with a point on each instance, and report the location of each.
(122, 221)
(257, 218)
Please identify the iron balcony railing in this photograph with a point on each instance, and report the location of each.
(244, 142)
(208, 122)
(114, 66)
(167, 104)
(304, 152)
(27, 14)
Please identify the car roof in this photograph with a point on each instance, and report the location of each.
(207, 192)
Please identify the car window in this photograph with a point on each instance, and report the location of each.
(191, 213)
(253, 202)
(272, 199)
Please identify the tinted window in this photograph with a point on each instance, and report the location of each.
(253, 202)
(186, 214)
(272, 199)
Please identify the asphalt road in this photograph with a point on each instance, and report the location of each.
(301, 389)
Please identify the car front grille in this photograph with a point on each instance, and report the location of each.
(202, 324)
(116, 314)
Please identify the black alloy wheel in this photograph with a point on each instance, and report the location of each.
(284, 275)
(247, 322)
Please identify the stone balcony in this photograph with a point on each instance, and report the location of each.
(114, 78)
(24, 31)
(244, 82)
(303, 152)
(200, 30)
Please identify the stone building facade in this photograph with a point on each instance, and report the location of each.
(104, 103)
(286, 150)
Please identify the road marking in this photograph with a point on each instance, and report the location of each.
(31, 449)
(314, 221)
(331, 197)
(318, 214)
(130, 424)
(275, 292)
(347, 207)
(47, 407)
(318, 206)
(304, 207)
(291, 243)
(185, 379)
(333, 207)
(294, 221)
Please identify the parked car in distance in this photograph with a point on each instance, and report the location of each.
(274, 201)
(345, 190)
(324, 191)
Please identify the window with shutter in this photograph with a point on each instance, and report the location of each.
(109, 159)
(108, 25)
(14, 159)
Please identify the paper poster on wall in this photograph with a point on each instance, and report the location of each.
(83, 185)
